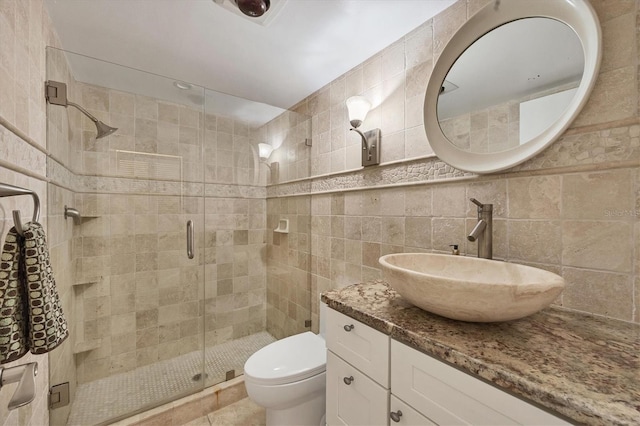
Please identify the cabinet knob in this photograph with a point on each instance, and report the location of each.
(348, 327)
(396, 416)
(348, 380)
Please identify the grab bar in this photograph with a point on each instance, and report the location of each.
(190, 239)
(7, 190)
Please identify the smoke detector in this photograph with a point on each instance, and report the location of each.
(273, 9)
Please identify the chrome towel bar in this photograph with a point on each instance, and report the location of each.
(7, 190)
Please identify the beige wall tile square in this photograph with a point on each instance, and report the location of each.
(392, 202)
(418, 232)
(419, 45)
(449, 201)
(598, 245)
(617, 52)
(614, 97)
(353, 252)
(392, 230)
(597, 196)
(446, 231)
(123, 323)
(393, 147)
(537, 197)
(447, 23)
(535, 241)
(418, 201)
(601, 293)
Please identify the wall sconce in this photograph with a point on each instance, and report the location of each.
(264, 151)
(358, 108)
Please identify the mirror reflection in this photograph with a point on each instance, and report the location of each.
(510, 85)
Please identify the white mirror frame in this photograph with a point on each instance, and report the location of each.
(577, 14)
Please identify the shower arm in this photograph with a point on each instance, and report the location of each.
(84, 111)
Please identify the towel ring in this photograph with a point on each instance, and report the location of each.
(7, 190)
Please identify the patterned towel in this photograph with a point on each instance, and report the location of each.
(31, 317)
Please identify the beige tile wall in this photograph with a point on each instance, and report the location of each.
(146, 301)
(25, 30)
(573, 209)
(288, 260)
(287, 134)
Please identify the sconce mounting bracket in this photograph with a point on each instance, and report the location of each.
(371, 155)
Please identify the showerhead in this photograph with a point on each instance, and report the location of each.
(103, 129)
(56, 94)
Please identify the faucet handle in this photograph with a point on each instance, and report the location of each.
(482, 207)
(476, 202)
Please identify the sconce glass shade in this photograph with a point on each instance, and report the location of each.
(358, 108)
(264, 150)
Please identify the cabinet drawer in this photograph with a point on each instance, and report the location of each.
(448, 396)
(407, 416)
(361, 402)
(360, 345)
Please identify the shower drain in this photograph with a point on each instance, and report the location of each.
(198, 377)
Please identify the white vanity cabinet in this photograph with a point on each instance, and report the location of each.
(357, 372)
(373, 380)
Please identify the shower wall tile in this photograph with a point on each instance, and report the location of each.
(130, 243)
(289, 259)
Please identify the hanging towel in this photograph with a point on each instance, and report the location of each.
(31, 318)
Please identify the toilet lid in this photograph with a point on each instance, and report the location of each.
(288, 360)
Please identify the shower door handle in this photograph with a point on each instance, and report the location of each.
(190, 239)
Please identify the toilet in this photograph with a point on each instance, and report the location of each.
(288, 378)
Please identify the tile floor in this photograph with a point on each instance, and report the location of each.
(98, 401)
(241, 413)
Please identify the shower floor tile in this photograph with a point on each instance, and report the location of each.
(98, 401)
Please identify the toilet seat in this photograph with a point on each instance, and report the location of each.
(288, 360)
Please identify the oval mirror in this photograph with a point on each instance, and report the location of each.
(510, 81)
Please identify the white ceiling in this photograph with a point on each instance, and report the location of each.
(306, 45)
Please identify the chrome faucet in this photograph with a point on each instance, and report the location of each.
(483, 231)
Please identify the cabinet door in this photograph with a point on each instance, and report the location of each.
(448, 396)
(352, 397)
(402, 414)
(359, 345)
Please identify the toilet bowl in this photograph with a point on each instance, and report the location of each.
(288, 378)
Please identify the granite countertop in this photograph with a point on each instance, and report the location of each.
(586, 368)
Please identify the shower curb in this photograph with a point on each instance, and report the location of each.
(190, 407)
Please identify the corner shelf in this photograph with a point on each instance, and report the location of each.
(283, 226)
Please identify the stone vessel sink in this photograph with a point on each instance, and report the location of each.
(468, 288)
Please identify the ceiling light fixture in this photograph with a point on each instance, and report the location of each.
(358, 108)
(253, 8)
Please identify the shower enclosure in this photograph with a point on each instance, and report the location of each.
(149, 323)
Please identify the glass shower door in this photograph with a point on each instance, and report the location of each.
(133, 298)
